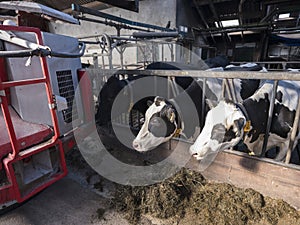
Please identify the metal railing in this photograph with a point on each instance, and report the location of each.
(228, 75)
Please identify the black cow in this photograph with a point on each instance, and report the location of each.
(125, 93)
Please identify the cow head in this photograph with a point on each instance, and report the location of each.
(160, 125)
(224, 128)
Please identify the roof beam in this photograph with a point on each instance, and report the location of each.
(207, 2)
(124, 4)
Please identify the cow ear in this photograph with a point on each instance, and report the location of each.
(158, 100)
(149, 103)
(211, 103)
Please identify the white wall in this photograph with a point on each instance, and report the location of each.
(156, 12)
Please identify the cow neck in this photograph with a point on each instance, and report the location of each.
(185, 112)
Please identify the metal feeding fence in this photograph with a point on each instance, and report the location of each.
(227, 87)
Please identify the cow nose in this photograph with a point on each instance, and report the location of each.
(192, 150)
(135, 145)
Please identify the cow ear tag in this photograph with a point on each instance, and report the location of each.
(177, 132)
(247, 126)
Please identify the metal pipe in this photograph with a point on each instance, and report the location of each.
(293, 134)
(234, 29)
(203, 101)
(267, 17)
(172, 34)
(227, 88)
(109, 23)
(82, 9)
(223, 89)
(232, 90)
(270, 117)
(42, 53)
(283, 75)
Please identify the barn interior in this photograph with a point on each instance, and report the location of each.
(126, 36)
(249, 31)
(244, 31)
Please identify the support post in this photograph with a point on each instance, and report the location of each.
(271, 109)
(293, 134)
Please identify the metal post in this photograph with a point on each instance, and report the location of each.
(95, 60)
(223, 88)
(293, 134)
(110, 59)
(162, 53)
(271, 109)
(203, 102)
(226, 87)
(232, 90)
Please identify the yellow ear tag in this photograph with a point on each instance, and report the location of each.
(247, 126)
(177, 132)
(172, 117)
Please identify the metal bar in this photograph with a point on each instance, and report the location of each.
(169, 87)
(46, 75)
(129, 5)
(233, 29)
(172, 34)
(32, 7)
(175, 86)
(82, 9)
(270, 117)
(8, 84)
(12, 38)
(227, 88)
(232, 90)
(293, 134)
(267, 17)
(223, 89)
(109, 23)
(211, 74)
(203, 101)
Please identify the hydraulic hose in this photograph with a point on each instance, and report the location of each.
(42, 53)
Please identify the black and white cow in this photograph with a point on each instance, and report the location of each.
(161, 119)
(127, 90)
(228, 123)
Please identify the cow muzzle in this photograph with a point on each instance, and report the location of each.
(199, 154)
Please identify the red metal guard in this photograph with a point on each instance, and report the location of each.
(11, 191)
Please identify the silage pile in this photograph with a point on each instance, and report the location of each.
(188, 197)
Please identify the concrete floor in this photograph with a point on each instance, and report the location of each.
(64, 203)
